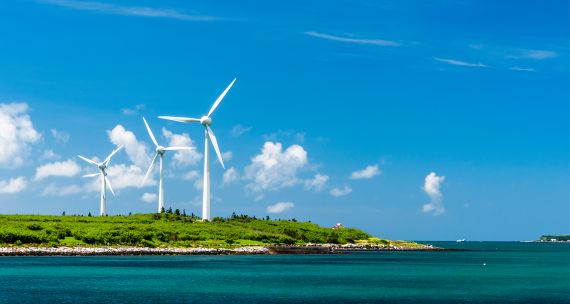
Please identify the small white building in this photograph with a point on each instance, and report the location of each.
(338, 226)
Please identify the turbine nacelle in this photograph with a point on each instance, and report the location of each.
(206, 121)
(159, 150)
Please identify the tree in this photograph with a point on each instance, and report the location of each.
(89, 214)
(63, 213)
(177, 211)
(169, 211)
(162, 210)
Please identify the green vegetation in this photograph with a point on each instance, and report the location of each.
(169, 229)
(557, 238)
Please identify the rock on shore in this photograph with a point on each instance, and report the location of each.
(287, 249)
(73, 251)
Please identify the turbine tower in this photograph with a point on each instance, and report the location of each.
(104, 179)
(206, 121)
(159, 153)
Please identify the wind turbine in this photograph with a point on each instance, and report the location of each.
(104, 180)
(206, 121)
(159, 153)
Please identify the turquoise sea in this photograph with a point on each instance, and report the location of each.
(489, 272)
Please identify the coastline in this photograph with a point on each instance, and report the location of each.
(246, 250)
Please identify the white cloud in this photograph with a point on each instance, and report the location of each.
(137, 151)
(274, 168)
(191, 175)
(337, 192)
(199, 184)
(461, 63)
(239, 130)
(280, 207)
(13, 185)
(431, 187)
(185, 157)
(125, 176)
(61, 137)
(298, 137)
(231, 175)
(49, 155)
(519, 69)
(227, 156)
(536, 54)
(16, 134)
(55, 190)
(139, 11)
(66, 168)
(366, 173)
(121, 176)
(149, 197)
(133, 111)
(379, 42)
(317, 183)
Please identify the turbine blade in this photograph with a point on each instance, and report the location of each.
(178, 148)
(149, 169)
(88, 160)
(150, 133)
(179, 119)
(215, 144)
(92, 175)
(215, 105)
(109, 184)
(108, 159)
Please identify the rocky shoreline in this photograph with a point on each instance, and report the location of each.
(289, 249)
(91, 251)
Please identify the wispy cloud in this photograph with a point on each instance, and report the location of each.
(337, 192)
(133, 111)
(519, 69)
(114, 9)
(535, 54)
(280, 207)
(461, 63)
(317, 183)
(239, 130)
(366, 173)
(379, 42)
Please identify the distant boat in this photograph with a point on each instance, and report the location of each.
(460, 241)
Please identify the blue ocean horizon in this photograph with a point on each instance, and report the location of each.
(484, 272)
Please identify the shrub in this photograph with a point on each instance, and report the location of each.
(35, 227)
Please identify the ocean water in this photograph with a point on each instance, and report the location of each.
(490, 272)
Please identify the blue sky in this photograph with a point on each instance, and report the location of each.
(341, 111)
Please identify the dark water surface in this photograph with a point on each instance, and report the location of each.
(494, 272)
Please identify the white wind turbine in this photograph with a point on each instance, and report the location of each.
(159, 153)
(104, 180)
(206, 121)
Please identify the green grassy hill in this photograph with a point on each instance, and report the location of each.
(167, 230)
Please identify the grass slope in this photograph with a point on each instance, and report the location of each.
(168, 230)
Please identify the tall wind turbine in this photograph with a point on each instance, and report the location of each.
(206, 121)
(159, 153)
(104, 179)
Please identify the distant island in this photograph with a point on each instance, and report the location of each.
(175, 233)
(555, 238)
